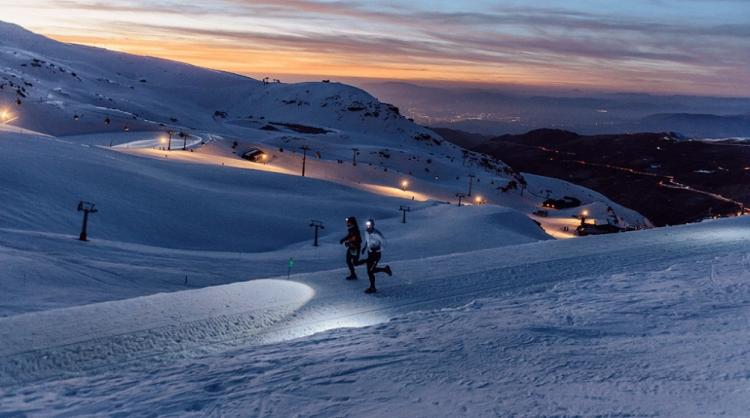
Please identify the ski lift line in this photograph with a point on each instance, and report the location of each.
(586, 263)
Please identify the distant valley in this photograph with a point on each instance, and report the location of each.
(668, 179)
(512, 110)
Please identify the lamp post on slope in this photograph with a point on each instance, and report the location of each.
(584, 215)
(184, 137)
(471, 183)
(304, 149)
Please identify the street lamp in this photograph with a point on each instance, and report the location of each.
(471, 181)
(184, 137)
(584, 215)
(404, 184)
(6, 117)
(304, 149)
(479, 200)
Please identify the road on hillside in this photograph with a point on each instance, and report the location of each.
(666, 181)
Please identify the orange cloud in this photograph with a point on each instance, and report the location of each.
(635, 48)
(255, 61)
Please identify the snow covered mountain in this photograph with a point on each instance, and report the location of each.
(200, 292)
(91, 124)
(58, 83)
(98, 97)
(206, 197)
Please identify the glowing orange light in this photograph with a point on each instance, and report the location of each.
(6, 116)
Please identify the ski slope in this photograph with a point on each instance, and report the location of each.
(175, 219)
(201, 294)
(648, 323)
(170, 225)
(96, 97)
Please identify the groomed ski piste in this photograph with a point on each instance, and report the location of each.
(200, 292)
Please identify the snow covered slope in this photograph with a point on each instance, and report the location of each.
(215, 212)
(485, 314)
(648, 323)
(71, 90)
(165, 225)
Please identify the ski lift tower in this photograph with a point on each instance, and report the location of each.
(404, 209)
(460, 196)
(317, 225)
(86, 208)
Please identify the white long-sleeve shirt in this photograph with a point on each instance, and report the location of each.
(374, 240)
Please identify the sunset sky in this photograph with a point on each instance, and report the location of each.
(661, 46)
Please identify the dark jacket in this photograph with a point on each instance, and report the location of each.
(353, 239)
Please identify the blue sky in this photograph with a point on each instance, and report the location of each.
(663, 46)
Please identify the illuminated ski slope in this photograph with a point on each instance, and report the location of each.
(647, 323)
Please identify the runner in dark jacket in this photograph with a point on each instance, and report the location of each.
(353, 243)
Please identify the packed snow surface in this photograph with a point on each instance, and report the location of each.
(647, 323)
